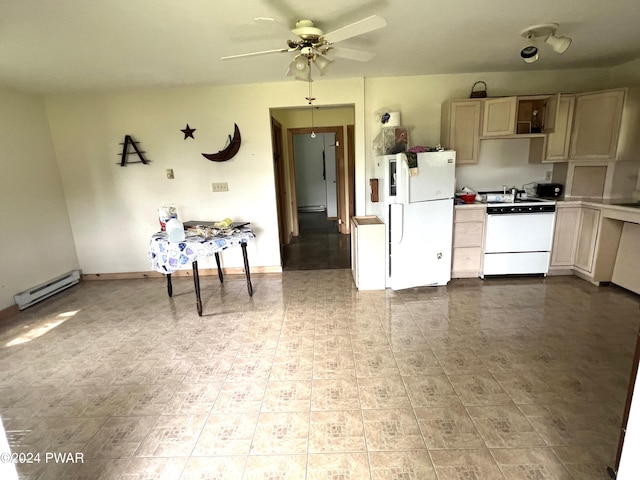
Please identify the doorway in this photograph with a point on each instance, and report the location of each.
(315, 190)
(319, 244)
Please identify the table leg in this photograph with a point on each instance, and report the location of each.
(169, 286)
(196, 283)
(219, 269)
(246, 268)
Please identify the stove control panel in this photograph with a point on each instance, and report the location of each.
(520, 209)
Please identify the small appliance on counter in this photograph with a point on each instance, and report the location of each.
(549, 190)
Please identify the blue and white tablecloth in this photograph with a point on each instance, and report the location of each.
(167, 257)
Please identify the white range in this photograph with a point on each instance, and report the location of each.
(519, 237)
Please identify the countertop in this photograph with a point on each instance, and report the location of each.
(608, 206)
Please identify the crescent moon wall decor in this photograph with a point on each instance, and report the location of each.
(229, 152)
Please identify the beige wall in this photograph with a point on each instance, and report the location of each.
(36, 243)
(626, 75)
(113, 209)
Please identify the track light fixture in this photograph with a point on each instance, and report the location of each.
(559, 44)
(529, 53)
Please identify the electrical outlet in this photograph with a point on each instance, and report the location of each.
(220, 187)
(548, 176)
(170, 173)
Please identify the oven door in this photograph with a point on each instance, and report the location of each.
(519, 232)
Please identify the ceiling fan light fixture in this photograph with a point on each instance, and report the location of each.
(559, 44)
(299, 67)
(322, 63)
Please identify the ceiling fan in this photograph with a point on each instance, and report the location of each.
(312, 44)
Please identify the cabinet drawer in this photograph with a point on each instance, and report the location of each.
(467, 259)
(469, 214)
(467, 234)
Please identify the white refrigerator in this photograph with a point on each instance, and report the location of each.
(418, 213)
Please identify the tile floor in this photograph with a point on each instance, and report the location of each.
(312, 379)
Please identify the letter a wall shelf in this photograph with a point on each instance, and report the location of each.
(128, 141)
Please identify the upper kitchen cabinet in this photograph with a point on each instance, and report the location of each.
(499, 116)
(528, 115)
(606, 125)
(460, 129)
(558, 141)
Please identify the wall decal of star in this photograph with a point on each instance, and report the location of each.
(188, 132)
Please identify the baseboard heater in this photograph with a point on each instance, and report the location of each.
(45, 290)
(312, 208)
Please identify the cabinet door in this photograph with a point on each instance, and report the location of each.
(596, 125)
(499, 116)
(558, 140)
(464, 130)
(589, 221)
(565, 236)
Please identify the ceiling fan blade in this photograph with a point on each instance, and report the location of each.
(253, 54)
(350, 54)
(360, 27)
(273, 21)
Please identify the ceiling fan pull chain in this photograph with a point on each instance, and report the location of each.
(311, 99)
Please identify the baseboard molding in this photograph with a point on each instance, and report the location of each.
(8, 312)
(586, 277)
(179, 273)
(559, 271)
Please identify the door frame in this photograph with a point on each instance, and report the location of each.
(280, 182)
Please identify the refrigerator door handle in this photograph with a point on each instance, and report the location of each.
(397, 223)
(402, 182)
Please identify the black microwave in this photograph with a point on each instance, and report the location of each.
(549, 190)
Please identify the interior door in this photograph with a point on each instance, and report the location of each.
(279, 169)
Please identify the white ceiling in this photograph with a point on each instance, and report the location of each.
(89, 45)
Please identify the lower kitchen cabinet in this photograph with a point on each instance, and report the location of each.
(588, 234)
(565, 236)
(626, 272)
(468, 241)
(368, 252)
(574, 239)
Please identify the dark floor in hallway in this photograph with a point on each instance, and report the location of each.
(319, 246)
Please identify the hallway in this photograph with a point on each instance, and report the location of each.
(319, 246)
